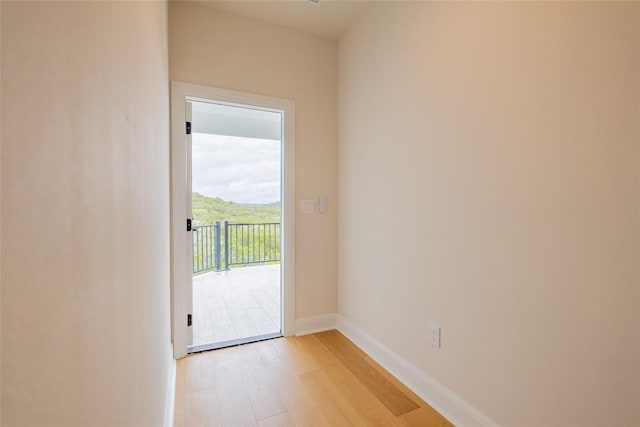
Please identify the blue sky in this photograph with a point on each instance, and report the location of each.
(243, 170)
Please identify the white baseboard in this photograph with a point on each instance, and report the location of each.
(451, 406)
(170, 400)
(311, 325)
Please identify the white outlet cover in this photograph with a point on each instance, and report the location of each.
(434, 335)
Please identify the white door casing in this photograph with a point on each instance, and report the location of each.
(181, 268)
(188, 288)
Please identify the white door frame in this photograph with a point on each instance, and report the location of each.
(181, 269)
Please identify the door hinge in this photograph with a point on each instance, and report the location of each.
(188, 128)
(189, 224)
(189, 319)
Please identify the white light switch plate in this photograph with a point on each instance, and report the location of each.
(307, 206)
(434, 334)
(322, 205)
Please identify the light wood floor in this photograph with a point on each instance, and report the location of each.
(315, 380)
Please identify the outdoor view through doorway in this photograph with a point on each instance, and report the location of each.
(236, 194)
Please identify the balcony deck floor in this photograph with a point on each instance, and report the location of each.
(239, 303)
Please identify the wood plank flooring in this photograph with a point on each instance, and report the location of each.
(321, 379)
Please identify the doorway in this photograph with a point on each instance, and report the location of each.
(236, 169)
(232, 180)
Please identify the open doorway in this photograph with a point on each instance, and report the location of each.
(236, 206)
(232, 183)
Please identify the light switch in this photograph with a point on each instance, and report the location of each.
(307, 206)
(322, 205)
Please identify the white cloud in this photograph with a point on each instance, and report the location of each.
(244, 170)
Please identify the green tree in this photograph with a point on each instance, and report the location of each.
(208, 210)
(254, 232)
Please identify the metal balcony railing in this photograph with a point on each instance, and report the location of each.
(217, 247)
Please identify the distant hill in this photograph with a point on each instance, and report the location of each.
(208, 210)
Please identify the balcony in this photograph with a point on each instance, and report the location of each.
(217, 247)
(236, 281)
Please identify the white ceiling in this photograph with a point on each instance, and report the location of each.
(329, 18)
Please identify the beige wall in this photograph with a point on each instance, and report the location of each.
(488, 181)
(0, 218)
(85, 214)
(219, 49)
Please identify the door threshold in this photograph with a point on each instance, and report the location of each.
(232, 343)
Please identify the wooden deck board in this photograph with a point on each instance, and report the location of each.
(239, 303)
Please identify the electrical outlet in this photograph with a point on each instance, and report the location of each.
(434, 334)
